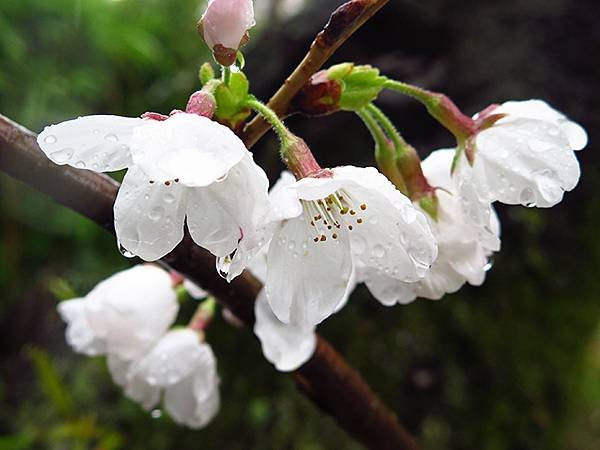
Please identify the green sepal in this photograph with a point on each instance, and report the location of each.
(429, 204)
(206, 73)
(360, 85)
(231, 99)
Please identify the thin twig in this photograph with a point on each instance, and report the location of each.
(344, 21)
(326, 378)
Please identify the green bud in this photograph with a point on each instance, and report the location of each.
(231, 99)
(206, 73)
(360, 85)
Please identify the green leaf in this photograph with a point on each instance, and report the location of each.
(50, 381)
(231, 99)
(361, 86)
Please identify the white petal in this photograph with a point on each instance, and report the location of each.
(527, 162)
(389, 291)
(177, 354)
(149, 216)
(118, 369)
(283, 198)
(134, 387)
(186, 407)
(190, 148)
(390, 235)
(306, 280)
(99, 143)
(132, 309)
(80, 336)
(286, 346)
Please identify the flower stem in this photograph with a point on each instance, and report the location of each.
(226, 74)
(439, 107)
(385, 153)
(389, 128)
(204, 314)
(276, 123)
(293, 150)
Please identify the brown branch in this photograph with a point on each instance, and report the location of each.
(344, 21)
(326, 378)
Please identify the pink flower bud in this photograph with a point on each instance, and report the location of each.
(201, 103)
(225, 23)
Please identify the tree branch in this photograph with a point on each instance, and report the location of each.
(343, 22)
(326, 378)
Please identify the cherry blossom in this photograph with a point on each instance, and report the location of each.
(526, 157)
(326, 219)
(123, 315)
(184, 166)
(462, 255)
(180, 367)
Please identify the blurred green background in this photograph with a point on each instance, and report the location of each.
(514, 364)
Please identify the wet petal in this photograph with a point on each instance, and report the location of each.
(149, 216)
(186, 407)
(286, 346)
(186, 147)
(80, 336)
(306, 280)
(98, 143)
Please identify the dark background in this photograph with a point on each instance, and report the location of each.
(514, 364)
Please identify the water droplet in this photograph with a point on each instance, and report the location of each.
(488, 266)
(291, 245)
(146, 197)
(223, 263)
(96, 167)
(96, 131)
(151, 380)
(62, 155)
(169, 198)
(126, 253)
(111, 137)
(373, 220)
(378, 251)
(50, 139)
(80, 165)
(527, 197)
(156, 213)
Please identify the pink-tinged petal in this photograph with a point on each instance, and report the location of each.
(306, 280)
(226, 21)
(149, 215)
(98, 143)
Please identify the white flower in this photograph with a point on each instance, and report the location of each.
(123, 315)
(286, 346)
(462, 255)
(225, 22)
(186, 165)
(525, 157)
(180, 366)
(194, 291)
(324, 221)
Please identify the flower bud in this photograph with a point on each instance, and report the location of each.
(224, 27)
(201, 103)
(343, 86)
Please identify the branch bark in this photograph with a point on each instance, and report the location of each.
(326, 378)
(343, 22)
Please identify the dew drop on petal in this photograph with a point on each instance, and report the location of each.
(169, 198)
(62, 155)
(378, 251)
(156, 213)
(111, 137)
(50, 139)
(126, 253)
(527, 197)
(80, 165)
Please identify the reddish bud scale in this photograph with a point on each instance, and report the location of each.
(409, 165)
(319, 96)
(201, 103)
(448, 114)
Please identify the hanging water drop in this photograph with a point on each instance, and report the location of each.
(50, 139)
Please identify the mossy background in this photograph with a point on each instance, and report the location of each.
(514, 364)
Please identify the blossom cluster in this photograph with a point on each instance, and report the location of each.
(407, 229)
(127, 319)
